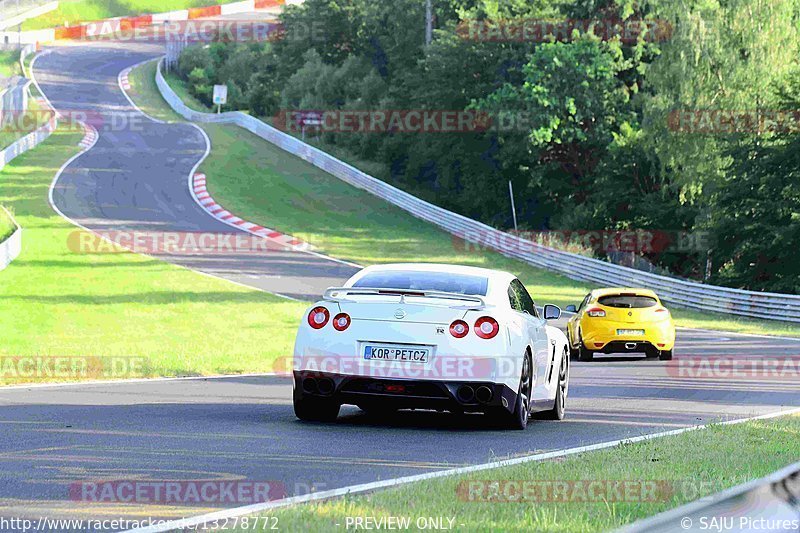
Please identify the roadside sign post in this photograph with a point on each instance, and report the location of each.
(220, 96)
(513, 207)
(309, 118)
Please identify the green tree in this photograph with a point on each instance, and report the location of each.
(720, 56)
(756, 223)
(569, 107)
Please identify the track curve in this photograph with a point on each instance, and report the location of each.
(113, 188)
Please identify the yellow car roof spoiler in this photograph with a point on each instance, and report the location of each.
(638, 291)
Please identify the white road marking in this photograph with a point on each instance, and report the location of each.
(28, 386)
(89, 147)
(193, 522)
(726, 332)
(191, 183)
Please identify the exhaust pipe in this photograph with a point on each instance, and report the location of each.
(630, 345)
(326, 386)
(484, 394)
(465, 394)
(310, 385)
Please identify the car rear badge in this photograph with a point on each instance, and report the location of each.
(399, 314)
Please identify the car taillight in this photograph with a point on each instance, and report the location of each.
(596, 312)
(341, 321)
(318, 317)
(459, 329)
(662, 310)
(486, 327)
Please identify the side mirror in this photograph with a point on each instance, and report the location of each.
(551, 312)
(571, 309)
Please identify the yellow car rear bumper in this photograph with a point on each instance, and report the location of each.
(600, 334)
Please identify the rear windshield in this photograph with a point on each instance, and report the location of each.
(627, 301)
(426, 281)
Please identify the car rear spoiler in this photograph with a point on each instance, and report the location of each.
(338, 294)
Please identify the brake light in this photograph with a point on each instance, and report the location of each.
(596, 312)
(662, 310)
(486, 327)
(459, 329)
(341, 321)
(318, 317)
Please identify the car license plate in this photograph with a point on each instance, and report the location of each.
(409, 354)
(630, 332)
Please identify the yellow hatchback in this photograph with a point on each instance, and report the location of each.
(621, 321)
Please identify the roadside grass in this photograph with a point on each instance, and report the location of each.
(74, 12)
(145, 93)
(686, 467)
(9, 63)
(55, 302)
(266, 185)
(7, 226)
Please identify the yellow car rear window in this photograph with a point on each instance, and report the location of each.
(627, 301)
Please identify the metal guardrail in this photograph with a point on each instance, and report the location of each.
(34, 138)
(9, 8)
(12, 246)
(683, 293)
(15, 12)
(771, 503)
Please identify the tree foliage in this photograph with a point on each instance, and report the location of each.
(583, 126)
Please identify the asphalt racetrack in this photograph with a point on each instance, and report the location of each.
(243, 428)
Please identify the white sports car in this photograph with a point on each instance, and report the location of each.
(427, 336)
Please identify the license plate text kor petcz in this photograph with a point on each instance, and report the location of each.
(397, 353)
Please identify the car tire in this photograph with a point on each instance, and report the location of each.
(665, 355)
(311, 409)
(573, 352)
(585, 354)
(559, 409)
(522, 406)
